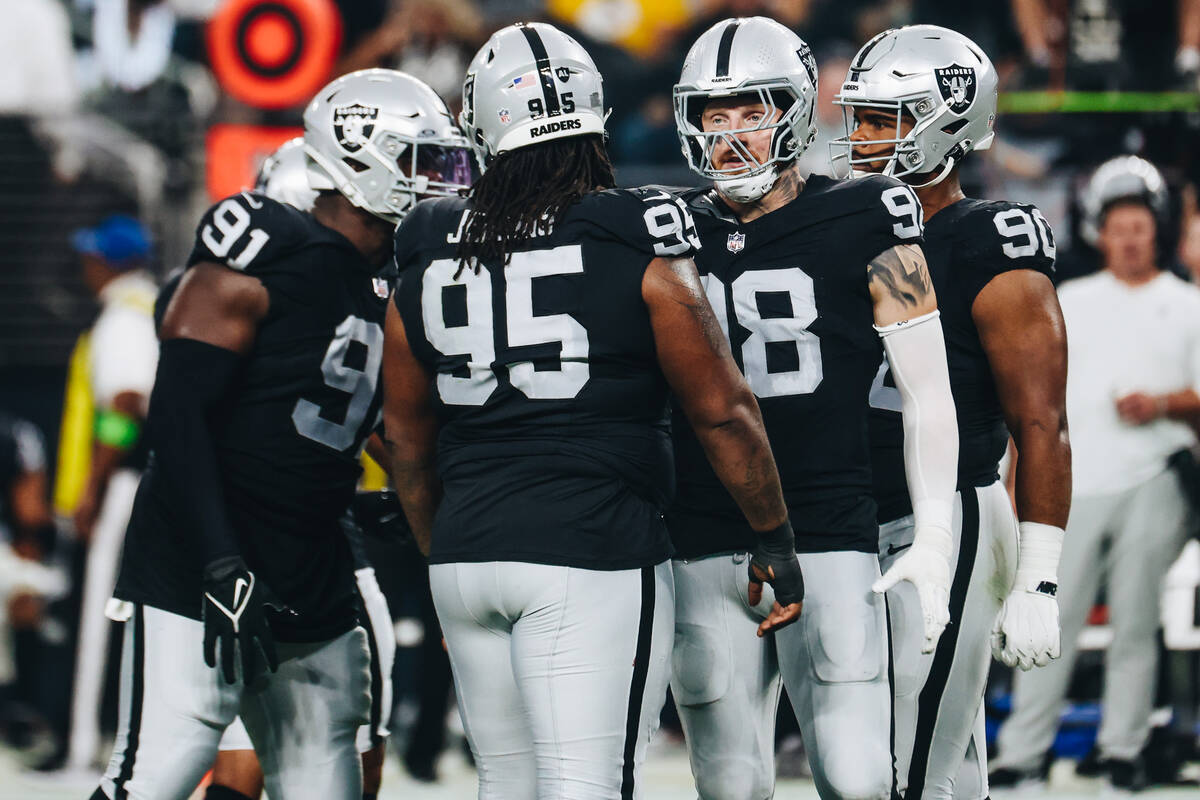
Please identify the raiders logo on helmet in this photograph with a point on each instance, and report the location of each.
(563, 73)
(353, 126)
(957, 85)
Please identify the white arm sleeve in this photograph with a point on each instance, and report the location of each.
(916, 351)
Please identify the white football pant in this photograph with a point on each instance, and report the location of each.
(833, 661)
(302, 718)
(940, 745)
(561, 673)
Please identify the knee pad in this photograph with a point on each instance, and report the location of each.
(848, 648)
(852, 776)
(700, 665)
(734, 780)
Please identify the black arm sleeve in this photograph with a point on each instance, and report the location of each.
(193, 378)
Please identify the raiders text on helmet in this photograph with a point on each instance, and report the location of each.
(752, 56)
(529, 83)
(384, 140)
(284, 176)
(939, 77)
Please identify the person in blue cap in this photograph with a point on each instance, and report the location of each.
(102, 452)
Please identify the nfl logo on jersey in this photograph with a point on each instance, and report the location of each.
(736, 242)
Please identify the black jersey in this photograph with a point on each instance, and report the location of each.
(554, 445)
(289, 437)
(966, 245)
(791, 291)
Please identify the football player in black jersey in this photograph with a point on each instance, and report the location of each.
(236, 773)
(806, 276)
(536, 331)
(917, 100)
(240, 578)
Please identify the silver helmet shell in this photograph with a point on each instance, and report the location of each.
(941, 78)
(284, 176)
(384, 140)
(747, 56)
(529, 83)
(1120, 177)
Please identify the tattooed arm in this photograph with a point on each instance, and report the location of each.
(906, 316)
(900, 285)
(694, 356)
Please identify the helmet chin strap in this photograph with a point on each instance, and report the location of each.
(941, 176)
(749, 188)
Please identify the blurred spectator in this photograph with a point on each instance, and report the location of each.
(1146, 45)
(132, 41)
(26, 522)
(1134, 338)
(433, 40)
(101, 445)
(25, 585)
(36, 60)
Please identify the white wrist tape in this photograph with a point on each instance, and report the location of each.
(1040, 549)
(916, 351)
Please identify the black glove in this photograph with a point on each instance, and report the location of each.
(380, 516)
(775, 561)
(234, 600)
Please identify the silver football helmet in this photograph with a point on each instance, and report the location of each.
(938, 76)
(1120, 177)
(529, 83)
(747, 56)
(384, 140)
(284, 176)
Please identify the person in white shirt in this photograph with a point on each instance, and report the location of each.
(121, 359)
(1133, 338)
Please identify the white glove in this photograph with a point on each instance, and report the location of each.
(1026, 633)
(926, 566)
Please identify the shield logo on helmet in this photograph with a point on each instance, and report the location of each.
(736, 242)
(353, 126)
(563, 74)
(957, 86)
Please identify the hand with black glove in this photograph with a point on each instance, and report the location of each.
(234, 602)
(380, 516)
(774, 561)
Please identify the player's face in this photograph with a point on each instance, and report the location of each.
(739, 112)
(871, 125)
(1127, 239)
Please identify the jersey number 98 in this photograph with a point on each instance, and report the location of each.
(749, 291)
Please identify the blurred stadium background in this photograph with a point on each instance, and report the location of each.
(154, 108)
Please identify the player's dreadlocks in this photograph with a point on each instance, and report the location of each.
(527, 190)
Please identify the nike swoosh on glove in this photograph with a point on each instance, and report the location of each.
(926, 566)
(234, 617)
(1026, 633)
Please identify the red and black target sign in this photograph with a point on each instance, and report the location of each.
(274, 53)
